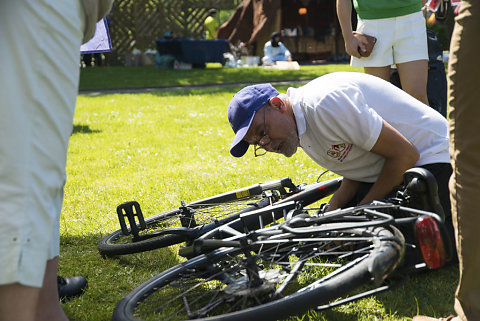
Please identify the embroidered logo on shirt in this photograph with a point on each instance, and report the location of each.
(339, 151)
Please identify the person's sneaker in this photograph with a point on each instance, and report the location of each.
(70, 287)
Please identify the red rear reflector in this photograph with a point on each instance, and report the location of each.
(430, 242)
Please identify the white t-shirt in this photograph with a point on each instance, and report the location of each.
(339, 119)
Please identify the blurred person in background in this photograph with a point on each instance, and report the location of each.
(274, 50)
(211, 24)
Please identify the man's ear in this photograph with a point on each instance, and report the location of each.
(277, 103)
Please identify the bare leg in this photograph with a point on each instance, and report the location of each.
(18, 302)
(49, 307)
(413, 77)
(381, 72)
(25, 303)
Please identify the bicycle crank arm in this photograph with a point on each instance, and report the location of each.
(201, 246)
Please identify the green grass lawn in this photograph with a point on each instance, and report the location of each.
(140, 77)
(164, 147)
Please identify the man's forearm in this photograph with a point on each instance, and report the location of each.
(344, 194)
(390, 176)
(400, 155)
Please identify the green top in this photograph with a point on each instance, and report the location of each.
(211, 26)
(381, 9)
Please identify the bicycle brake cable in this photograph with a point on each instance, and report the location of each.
(318, 178)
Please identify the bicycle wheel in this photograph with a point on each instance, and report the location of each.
(117, 243)
(277, 277)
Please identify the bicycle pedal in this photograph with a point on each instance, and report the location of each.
(130, 211)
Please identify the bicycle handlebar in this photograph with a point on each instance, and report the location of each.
(279, 185)
(256, 189)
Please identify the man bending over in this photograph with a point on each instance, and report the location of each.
(354, 124)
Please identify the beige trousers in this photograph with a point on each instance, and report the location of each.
(464, 89)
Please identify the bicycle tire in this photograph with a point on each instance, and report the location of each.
(214, 286)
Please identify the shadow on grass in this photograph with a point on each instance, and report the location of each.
(84, 129)
(75, 249)
(109, 279)
(427, 292)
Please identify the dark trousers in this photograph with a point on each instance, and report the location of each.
(442, 173)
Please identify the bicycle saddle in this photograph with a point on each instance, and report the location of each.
(421, 186)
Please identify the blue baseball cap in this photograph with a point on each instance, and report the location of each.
(241, 111)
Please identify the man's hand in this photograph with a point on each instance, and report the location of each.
(343, 195)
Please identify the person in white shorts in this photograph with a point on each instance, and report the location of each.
(400, 29)
(40, 49)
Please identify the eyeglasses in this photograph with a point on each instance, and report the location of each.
(259, 148)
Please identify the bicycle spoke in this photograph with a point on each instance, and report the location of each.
(185, 288)
(207, 213)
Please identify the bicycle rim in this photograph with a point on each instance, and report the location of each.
(290, 276)
(117, 243)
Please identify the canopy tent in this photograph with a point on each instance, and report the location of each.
(249, 20)
(309, 28)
